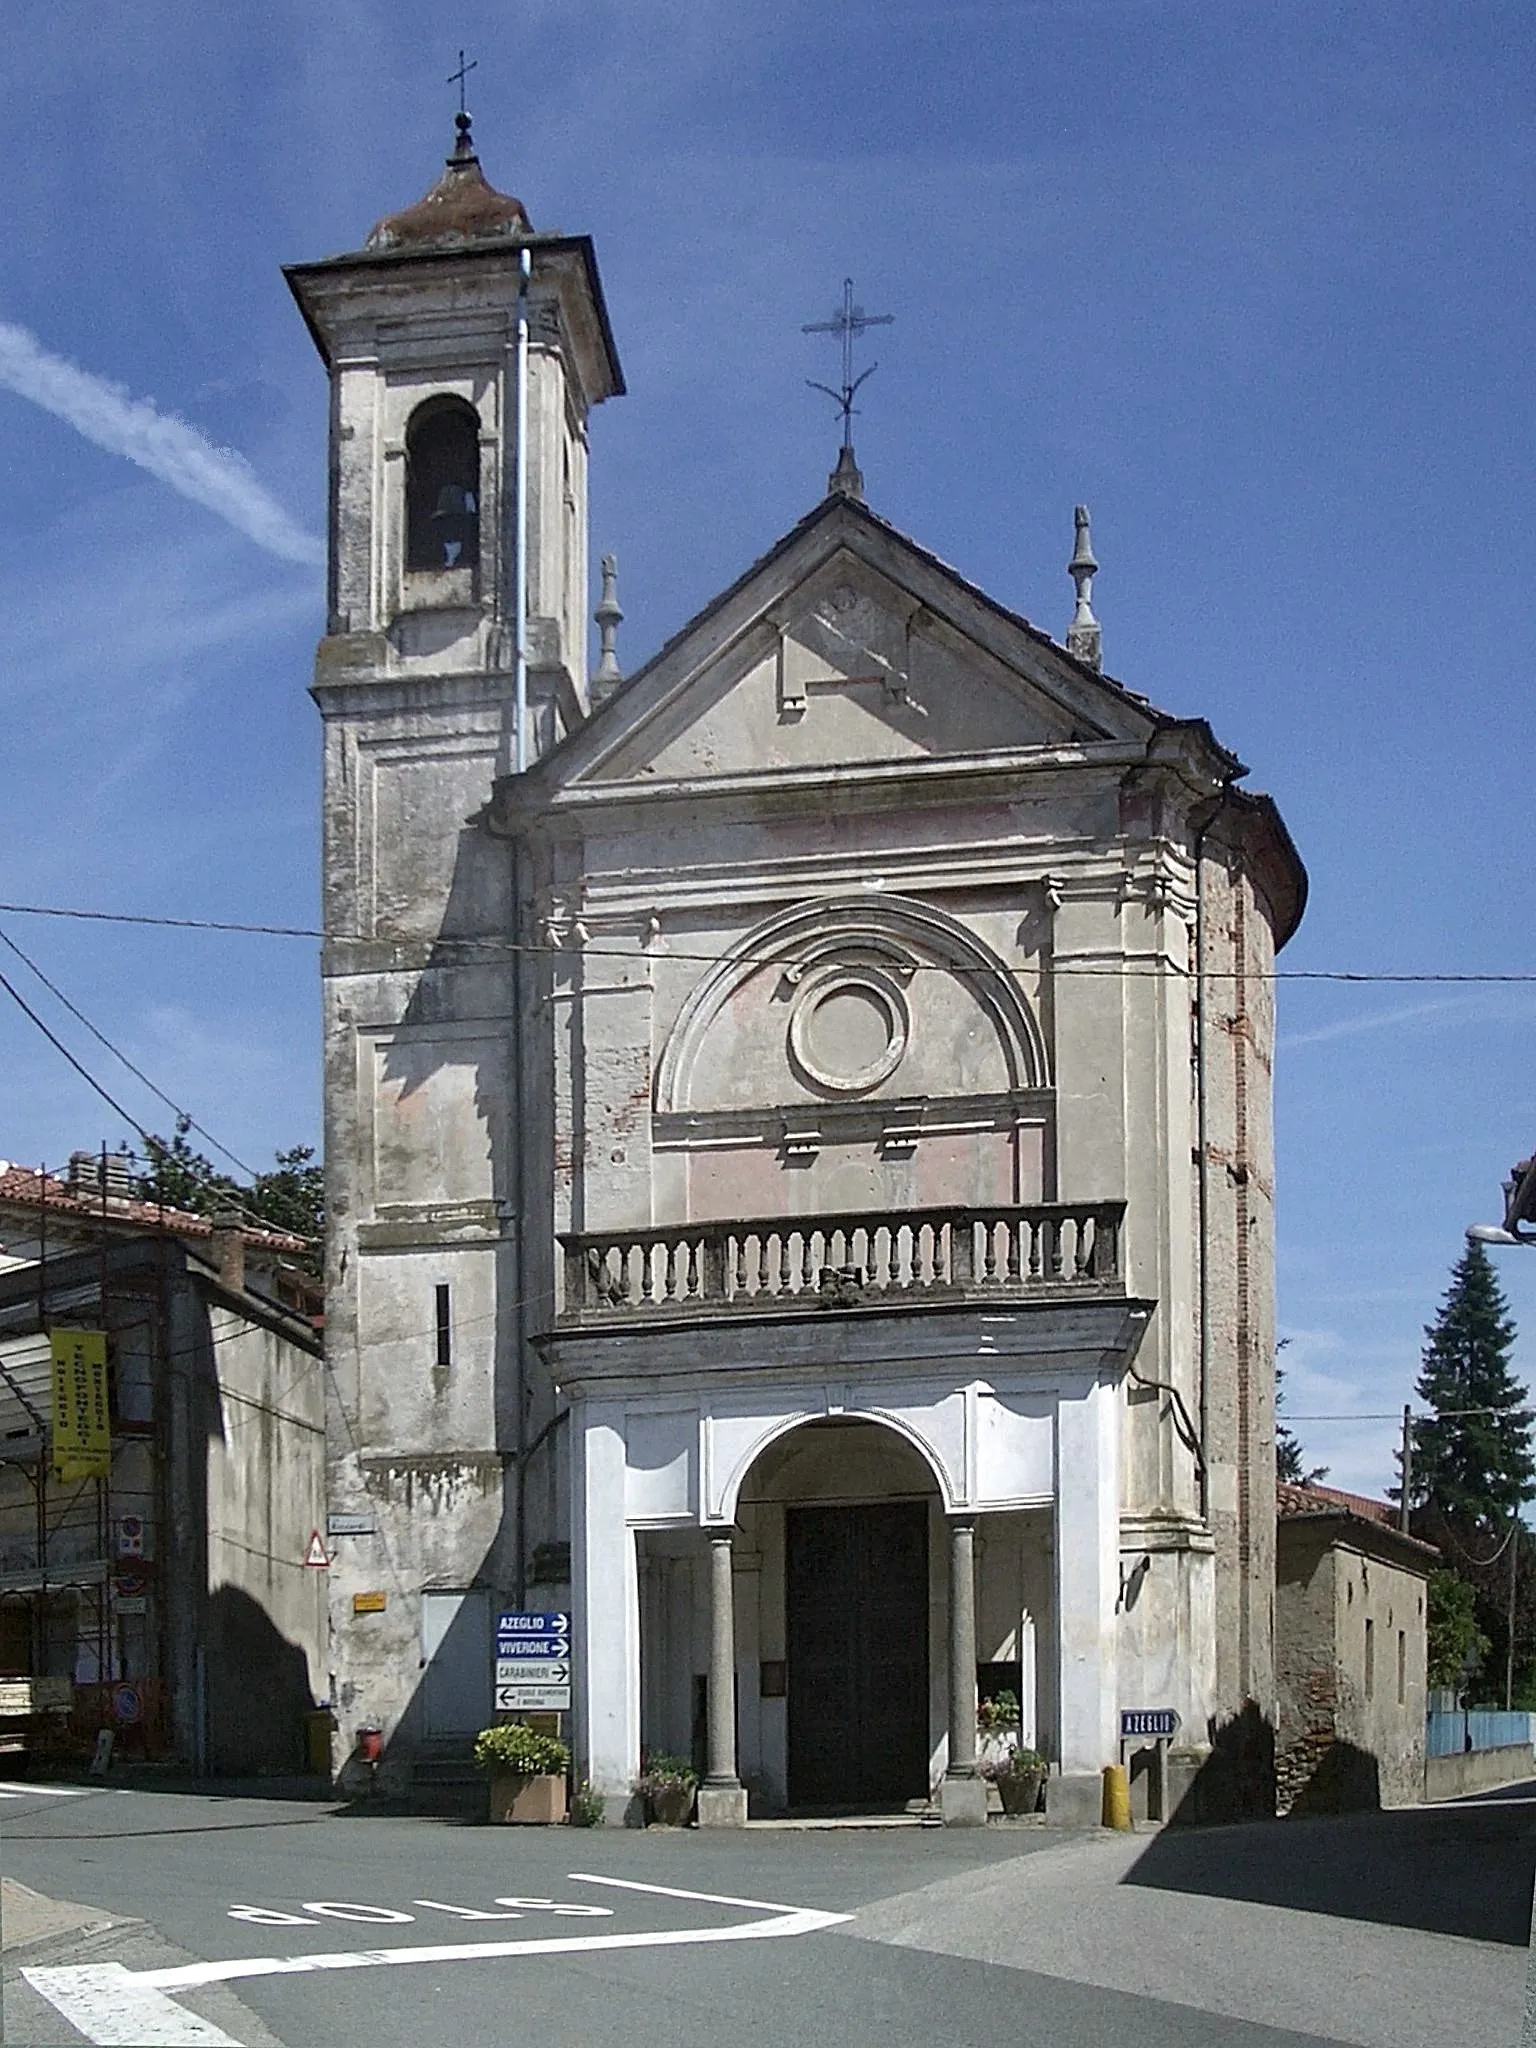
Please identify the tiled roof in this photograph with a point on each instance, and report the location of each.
(29, 1188)
(1298, 1503)
(1313, 1499)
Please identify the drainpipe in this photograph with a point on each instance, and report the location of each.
(1202, 1190)
(520, 544)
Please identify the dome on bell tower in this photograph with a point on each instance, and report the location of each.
(461, 207)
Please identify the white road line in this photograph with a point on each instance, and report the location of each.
(120, 2008)
(117, 2008)
(13, 1790)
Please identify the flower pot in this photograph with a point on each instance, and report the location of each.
(1020, 1792)
(671, 1806)
(527, 1802)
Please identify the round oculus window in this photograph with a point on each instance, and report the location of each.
(848, 1031)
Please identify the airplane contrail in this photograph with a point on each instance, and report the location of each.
(216, 478)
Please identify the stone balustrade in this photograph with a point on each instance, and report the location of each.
(848, 1260)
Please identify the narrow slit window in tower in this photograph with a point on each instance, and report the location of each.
(444, 1328)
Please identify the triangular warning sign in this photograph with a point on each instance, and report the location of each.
(315, 1555)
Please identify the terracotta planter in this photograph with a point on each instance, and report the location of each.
(527, 1802)
(671, 1807)
(1021, 1792)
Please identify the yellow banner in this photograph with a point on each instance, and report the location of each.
(82, 1419)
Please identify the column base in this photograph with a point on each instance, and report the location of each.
(1074, 1799)
(963, 1802)
(722, 1806)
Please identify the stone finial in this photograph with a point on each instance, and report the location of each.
(1084, 638)
(847, 480)
(607, 676)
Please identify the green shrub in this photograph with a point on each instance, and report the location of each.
(664, 1773)
(1015, 1762)
(521, 1752)
(999, 1712)
(587, 1810)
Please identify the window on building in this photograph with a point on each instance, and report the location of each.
(444, 1327)
(1370, 1658)
(1402, 1667)
(442, 486)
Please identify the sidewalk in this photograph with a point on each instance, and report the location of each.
(27, 1918)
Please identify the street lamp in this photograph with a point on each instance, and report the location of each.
(1519, 1208)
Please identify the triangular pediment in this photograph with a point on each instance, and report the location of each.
(847, 644)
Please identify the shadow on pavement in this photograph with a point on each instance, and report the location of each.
(1462, 1868)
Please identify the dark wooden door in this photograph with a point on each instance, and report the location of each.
(856, 1600)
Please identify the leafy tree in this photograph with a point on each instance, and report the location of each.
(290, 1198)
(1472, 1466)
(1457, 1646)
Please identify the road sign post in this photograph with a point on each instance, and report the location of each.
(533, 1662)
(1157, 1725)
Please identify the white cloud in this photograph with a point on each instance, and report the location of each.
(216, 478)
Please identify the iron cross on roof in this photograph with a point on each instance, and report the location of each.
(458, 77)
(849, 320)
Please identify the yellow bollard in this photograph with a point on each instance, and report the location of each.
(1117, 1798)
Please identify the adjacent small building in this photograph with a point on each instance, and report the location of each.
(171, 1590)
(1350, 1653)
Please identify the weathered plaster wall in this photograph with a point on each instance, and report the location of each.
(264, 1633)
(1350, 1726)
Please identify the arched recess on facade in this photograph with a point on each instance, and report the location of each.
(839, 931)
(779, 1434)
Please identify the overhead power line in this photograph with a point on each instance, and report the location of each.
(1125, 968)
(118, 1054)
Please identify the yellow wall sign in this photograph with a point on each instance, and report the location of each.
(368, 1603)
(82, 1419)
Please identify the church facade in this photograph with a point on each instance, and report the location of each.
(798, 1139)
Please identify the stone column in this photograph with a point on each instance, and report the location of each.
(963, 1795)
(722, 1797)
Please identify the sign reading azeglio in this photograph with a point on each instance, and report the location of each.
(1160, 1722)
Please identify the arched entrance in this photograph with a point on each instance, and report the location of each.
(846, 1517)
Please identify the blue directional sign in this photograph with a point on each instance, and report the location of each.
(533, 1635)
(534, 1649)
(1160, 1722)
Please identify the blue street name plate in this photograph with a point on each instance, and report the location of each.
(1156, 1721)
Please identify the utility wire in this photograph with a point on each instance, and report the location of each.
(138, 1073)
(59, 1046)
(503, 945)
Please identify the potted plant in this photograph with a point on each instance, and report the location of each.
(997, 1725)
(1019, 1774)
(527, 1772)
(667, 1785)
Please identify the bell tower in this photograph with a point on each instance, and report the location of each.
(465, 352)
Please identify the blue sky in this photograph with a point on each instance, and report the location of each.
(1254, 282)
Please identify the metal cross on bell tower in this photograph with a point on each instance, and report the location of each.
(848, 322)
(458, 77)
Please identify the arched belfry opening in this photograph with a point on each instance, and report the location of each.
(442, 485)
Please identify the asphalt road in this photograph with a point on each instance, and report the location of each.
(265, 1922)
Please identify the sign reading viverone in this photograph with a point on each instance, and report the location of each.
(533, 1662)
(1158, 1722)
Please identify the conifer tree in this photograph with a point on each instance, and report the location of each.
(1473, 1468)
